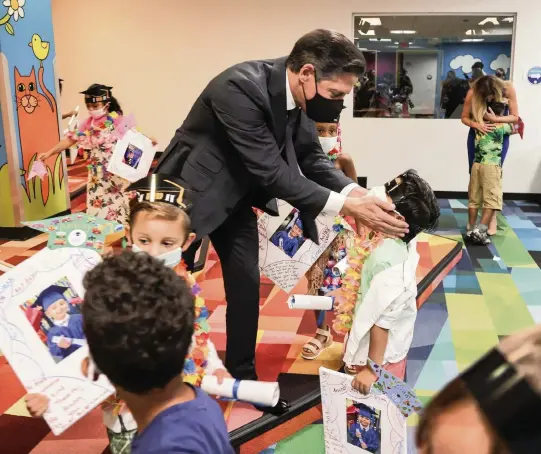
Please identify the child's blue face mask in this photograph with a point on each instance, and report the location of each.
(170, 258)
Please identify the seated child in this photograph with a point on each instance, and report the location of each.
(386, 308)
(321, 278)
(162, 229)
(139, 322)
(485, 188)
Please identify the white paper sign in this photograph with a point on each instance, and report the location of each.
(354, 423)
(132, 156)
(285, 255)
(41, 333)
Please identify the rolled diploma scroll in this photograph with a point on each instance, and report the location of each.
(80, 342)
(312, 302)
(262, 393)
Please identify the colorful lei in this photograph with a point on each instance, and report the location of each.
(346, 297)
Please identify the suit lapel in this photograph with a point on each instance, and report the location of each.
(277, 91)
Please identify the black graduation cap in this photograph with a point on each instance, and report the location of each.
(49, 296)
(395, 189)
(158, 187)
(97, 93)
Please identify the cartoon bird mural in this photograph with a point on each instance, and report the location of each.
(39, 47)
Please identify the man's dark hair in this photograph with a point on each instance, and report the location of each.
(138, 321)
(478, 64)
(419, 205)
(330, 52)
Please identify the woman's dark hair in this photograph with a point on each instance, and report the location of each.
(330, 52)
(114, 105)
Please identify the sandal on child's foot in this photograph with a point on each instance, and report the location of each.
(314, 347)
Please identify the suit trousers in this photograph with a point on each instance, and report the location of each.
(237, 245)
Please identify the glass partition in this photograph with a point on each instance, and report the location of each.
(422, 66)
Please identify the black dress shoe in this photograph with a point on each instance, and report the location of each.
(279, 409)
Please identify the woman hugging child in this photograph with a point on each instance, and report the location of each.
(159, 225)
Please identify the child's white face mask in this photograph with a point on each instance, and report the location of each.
(170, 258)
(328, 143)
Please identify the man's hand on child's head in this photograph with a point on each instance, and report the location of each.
(364, 380)
(37, 404)
(221, 374)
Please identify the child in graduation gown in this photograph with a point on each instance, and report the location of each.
(160, 226)
(361, 432)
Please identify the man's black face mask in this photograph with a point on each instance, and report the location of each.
(321, 109)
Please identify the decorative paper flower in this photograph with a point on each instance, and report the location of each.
(15, 8)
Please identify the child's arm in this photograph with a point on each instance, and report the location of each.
(378, 344)
(36, 404)
(214, 364)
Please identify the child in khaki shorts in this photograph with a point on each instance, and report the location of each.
(485, 190)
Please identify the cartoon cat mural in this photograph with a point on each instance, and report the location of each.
(37, 117)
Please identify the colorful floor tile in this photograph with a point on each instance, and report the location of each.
(282, 333)
(491, 292)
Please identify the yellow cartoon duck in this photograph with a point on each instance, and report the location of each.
(39, 47)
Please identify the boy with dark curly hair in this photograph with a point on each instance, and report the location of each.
(139, 320)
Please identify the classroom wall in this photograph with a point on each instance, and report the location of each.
(159, 56)
(486, 52)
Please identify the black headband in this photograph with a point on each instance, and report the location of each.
(508, 402)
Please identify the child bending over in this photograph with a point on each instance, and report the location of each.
(485, 189)
(386, 308)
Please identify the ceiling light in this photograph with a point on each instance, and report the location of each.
(508, 19)
(383, 40)
(474, 32)
(373, 21)
(368, 33)
(472, 40)
(403, 32)
(492, 20)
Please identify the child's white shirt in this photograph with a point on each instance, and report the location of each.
(390, 303)
(112, 421)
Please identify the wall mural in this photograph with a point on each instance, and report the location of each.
(29, 50)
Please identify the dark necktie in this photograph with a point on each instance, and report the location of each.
(291, 128)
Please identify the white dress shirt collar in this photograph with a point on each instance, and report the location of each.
(290, 101)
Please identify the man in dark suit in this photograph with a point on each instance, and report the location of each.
(242, 145)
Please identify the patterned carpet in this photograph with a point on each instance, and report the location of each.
(281, 335)
(492, 292)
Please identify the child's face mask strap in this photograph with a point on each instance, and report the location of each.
(511, 406)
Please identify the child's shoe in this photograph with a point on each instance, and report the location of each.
(479, 235)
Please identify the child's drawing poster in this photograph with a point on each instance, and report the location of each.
(41, 332)
(285, 255)
(354, 423)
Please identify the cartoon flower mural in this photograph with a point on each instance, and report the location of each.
(14, 10)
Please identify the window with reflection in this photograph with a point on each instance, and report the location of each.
(423, 66)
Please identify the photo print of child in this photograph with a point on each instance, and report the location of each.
(363, 429)
(289, 236)
(132, 156)
(55, 316)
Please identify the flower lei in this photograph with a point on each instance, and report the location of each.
(197, 359)
(358, 250)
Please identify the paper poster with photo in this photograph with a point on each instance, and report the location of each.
(285, 255)
(132, 156)
(354, 423)
(41, 332)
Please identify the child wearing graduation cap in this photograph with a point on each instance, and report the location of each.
(361, 432)
(107, 196)
(66, 332)
(289, 240)
(378, 316)
(160, 226)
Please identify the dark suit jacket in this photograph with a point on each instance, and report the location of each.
(229, 150)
